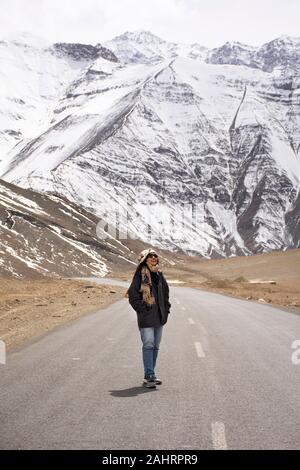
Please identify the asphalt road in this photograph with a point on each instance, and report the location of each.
(228, 381)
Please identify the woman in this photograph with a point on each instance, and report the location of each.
(149, 296)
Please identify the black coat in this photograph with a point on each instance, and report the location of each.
(155, 314)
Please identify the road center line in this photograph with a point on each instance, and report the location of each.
(204, 330)
(199, 349)
(191, 321)
(218, 436)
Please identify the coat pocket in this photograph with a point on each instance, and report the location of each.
(145, 317)
(146, 310)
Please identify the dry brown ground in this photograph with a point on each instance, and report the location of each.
(232, 276)
(29, 308)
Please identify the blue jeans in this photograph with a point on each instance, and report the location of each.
(151, 339)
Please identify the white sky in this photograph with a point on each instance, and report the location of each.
(208, 22)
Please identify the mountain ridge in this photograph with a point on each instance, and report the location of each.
(228, 134)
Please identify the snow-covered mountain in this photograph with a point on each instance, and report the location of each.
(144, 47)
(34, 77)
(49, 235)
(281, 52)
(185, 147)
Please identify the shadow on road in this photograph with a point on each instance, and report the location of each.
(131, 392)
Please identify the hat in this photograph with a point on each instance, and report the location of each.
(143, 254)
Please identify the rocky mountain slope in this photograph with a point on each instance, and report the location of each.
(183, 147)
(42, 235)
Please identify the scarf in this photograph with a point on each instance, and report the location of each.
(146, 283)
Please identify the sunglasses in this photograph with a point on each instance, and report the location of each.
(152, 256)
